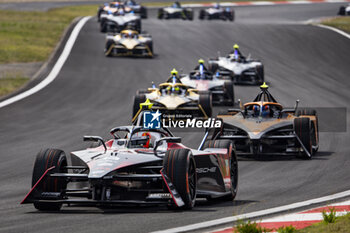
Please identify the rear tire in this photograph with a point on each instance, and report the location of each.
(179, 165)
(138, 99)
(261, 76)
(213, 67)
(205, 100)
(143, 12)
(160, 14)
(229, 87)
(201, 14)
(302, 128)
(46, 159)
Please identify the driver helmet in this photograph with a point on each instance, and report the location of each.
(235, 46)
(216, 5)
(174, 72)
(148, 135)
(266, 110)
(121, 11)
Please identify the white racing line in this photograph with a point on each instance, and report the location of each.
(334, 29)
(55, 70)
(257, 214)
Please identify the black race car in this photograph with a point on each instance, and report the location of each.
(138, 166)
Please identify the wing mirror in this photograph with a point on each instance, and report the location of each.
(95, 139)
(166, 139)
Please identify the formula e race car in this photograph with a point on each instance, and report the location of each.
(107, 7)
(175, 11)
(221, 89)
(344, 10)
(136, 8)
(129, 43)
(137, 166)
(129, 6)
(241, 70)
(175, 100)
(217, 12)
(264, 127)
(119, 20)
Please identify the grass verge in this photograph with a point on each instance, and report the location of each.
(342, 23)
(32, 36)
(341, 225)
(10, 84)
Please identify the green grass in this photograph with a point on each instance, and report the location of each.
(249, 227)
(342, 23)
(32, 36)
(9, 84)
(341, 225)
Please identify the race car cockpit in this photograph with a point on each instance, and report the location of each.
(173, 89)
(264, 105)
(129, 34)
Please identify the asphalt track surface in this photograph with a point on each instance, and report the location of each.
(93, 94)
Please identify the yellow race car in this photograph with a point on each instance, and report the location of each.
(265, 127)
(129, 43)
(175, 101)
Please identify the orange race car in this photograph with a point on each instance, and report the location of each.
(265, 127)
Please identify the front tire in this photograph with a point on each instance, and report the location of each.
(205, 100)
(302, 128)
(46, 159)
(179, 165)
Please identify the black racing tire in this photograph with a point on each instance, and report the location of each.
(315, 128)
(342, 11)
(46, 159)
(103, 26)
(213, 67)
(100, 10)
(142, 92)
(143, 12)
(160, 13)
(201, 14)
(179, 165)
(189, 14)
(229, 89)
(302, 128)
(138, 99)
(205, 100)
(227, 144)
(109, 43)
(261, 75)
(232, 16)
(138, 26)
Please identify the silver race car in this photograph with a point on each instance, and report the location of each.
(241, 70)
(129, 43)
(221, 89)
(175, 11)
(119, 20)
(217, 12)
(138, 166)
